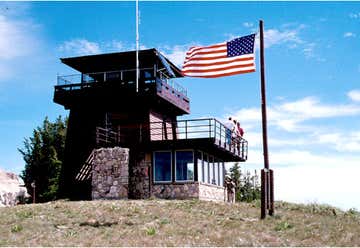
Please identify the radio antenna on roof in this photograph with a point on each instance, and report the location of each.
(137, 46)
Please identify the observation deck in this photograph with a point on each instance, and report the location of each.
(208, 135)
(111, 78)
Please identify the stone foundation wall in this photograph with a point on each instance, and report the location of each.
(139, 176)
(110, 173)
(176, 191)
(211, 192)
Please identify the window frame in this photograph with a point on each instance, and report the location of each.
(171, 165)
(193, 155)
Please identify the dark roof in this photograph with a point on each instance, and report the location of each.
(122, 61)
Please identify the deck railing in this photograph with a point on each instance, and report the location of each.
(85, 80)
(107, 137)
(200, 128)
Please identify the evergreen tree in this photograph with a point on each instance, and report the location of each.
(247, 187)
(235, 174)
(43, 154)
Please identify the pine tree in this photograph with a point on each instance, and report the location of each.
(247, 186)
(43, 154)
(235, 174)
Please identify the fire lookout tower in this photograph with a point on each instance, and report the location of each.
(178, 158)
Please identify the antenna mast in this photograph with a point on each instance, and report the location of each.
(137, 45)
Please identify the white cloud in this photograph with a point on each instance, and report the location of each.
(354, 15)
(309, 50)
(16, 38)
(177, 54)
(354, 95)
(274, 37)
(306, 177)
(17, 41)
(116, 45)
(349, 35)
(290, 116)
(248, 24)
(80, 47)
(334, 184)
(301, 150)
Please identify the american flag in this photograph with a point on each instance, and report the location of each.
(223, 59)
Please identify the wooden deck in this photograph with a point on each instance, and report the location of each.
(105, 86)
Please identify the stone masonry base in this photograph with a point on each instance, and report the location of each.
(111, 179)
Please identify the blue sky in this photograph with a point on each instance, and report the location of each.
(312, 71)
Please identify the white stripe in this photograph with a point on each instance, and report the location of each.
(228, 59)
(214, 73)
(204, 47)
(206, 55)
(206, 50)
(188, 68)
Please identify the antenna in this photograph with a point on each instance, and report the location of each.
(137, 46)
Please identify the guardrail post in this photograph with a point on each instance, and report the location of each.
(209, 128)
(220, 134)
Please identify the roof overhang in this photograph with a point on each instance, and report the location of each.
(122, 61)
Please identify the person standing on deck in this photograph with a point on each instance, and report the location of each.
(229, 126)
(239, 130)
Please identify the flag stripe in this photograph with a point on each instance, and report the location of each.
(201, 52)
(218, 61)
(225, 69)
(196, 48)
(217, 67)
(223, 59)
(220, 74)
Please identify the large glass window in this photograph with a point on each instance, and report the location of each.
(216, 169)
(200, 167)
(221, 173)
(184, 166)
(211, 170)
(162, 166)
(206, 168)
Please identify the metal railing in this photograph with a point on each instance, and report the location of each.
(149, 75)
(200, 128)
(106, 137)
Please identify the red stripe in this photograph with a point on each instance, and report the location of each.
(223, 74)
(210, 58)
(218, 63)
(210, 52)
(221, 68)
(199, 48)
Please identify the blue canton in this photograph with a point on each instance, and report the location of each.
(240, 46)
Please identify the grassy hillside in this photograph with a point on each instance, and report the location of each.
(175, 223)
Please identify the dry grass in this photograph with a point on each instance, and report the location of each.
(175, 223)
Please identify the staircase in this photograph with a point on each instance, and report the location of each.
(85, 171)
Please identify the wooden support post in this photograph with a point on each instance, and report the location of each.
(263, 194)
(271, 209)
(265, 183)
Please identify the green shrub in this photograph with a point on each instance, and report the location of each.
(16, 228)
(150, 231)
(282, 226)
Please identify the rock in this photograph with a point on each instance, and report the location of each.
(12, 189)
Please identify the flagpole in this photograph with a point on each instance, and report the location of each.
(266, 179)
(137, 45)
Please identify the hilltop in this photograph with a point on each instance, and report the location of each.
(175, 223)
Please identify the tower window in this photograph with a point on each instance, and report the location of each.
(162, 166)
(184, 165)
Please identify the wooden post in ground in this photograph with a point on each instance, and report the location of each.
(263, 194)
(271, 177)
(266, 192)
